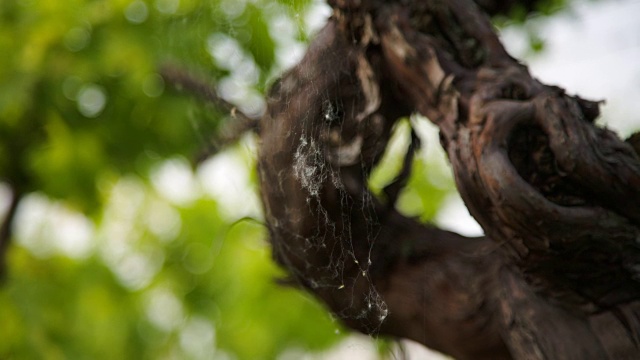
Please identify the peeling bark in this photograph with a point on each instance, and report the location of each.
(558, 198)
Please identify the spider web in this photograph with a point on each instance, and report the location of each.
(314, 167)
(313, 170)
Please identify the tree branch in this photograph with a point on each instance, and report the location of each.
(557, 272)
(6, 230)
(533, 169)
(234, 130)
(362, 258)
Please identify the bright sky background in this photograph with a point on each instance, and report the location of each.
(592, 50)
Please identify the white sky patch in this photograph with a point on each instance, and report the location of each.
(162, 220)
(289, 55)
(282, 28)
(233, 8)
(246, 72)
(284, 32)
(73, 235)
(593, 51)
(355, 346)
(164, 310)
(135, 270)
(253, 105)
(198, 338)
(249, 100)
(239, 87)
(127, 211)
(418, 351)
(125, 199)
(46, 227)
(225, 50)
(360, 347)
(91, 100)
(316, 16)
(225, 177)
(30, 228)
(453, 215)
(174, 180)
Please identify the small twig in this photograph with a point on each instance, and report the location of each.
(392, 190)
(182, 80)
(6, 230)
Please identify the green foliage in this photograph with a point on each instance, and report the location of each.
(86, 122)
(521, 11)
(428, 184)
(111, 259)
(80, 87)
(159, 280)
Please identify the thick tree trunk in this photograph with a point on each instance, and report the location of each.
(558, 198)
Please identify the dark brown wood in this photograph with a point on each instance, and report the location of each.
(558, 197)
(6, 229)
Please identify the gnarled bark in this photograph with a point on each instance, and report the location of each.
(558, 197)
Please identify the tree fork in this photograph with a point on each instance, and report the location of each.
(557, 197)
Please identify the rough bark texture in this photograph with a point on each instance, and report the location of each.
(556, 276)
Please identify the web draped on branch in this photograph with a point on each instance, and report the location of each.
(322, 135)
